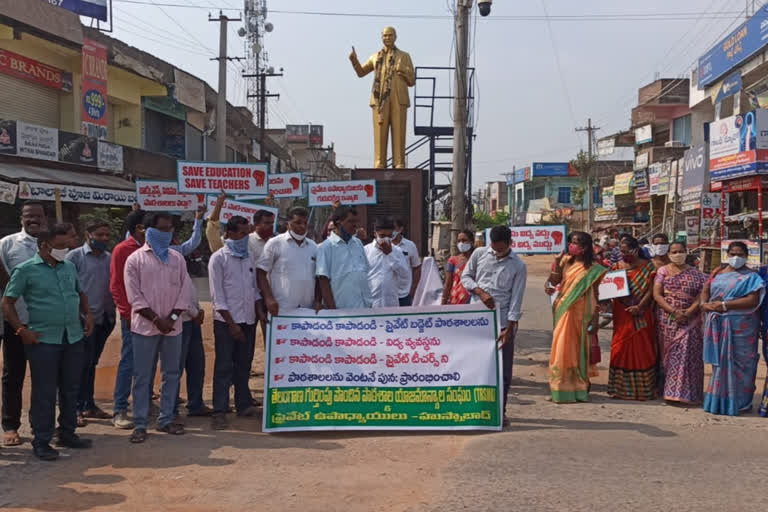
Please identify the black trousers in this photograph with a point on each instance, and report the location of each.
(55, 370)
(507, 360)
(14, 371)
(232, 366)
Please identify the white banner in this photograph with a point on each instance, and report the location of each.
(232, 208)
(73, 194)
(163, 196)
(613, 285)
(110, 156)
(644, 134)
(389, 368)
(38, 142)
(286, 185)
(231, 177)
(348, 193)
(8, 192)
(535, 239)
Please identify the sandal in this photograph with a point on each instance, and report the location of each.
(11, 438)
(138, 436)
(81, 421)
(174, 429)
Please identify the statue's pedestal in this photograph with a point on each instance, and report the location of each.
(401, 194)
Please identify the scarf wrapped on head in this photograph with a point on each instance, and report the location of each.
(381, 98)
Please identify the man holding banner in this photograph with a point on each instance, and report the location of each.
(496, 276)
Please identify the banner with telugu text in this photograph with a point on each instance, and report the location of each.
(428, 368)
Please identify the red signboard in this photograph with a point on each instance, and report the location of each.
(34, 71)
(94, 98)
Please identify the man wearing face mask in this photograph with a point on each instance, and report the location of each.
(411, 253)
(496, 277)
(388, 268)
(154, 283)
(342, 267)
(659, 249)
(14, 250)
(124, 378)
(92, 263)
(289, 262)
(235, 297)
(52, 337)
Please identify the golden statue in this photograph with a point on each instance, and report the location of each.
(393, 74)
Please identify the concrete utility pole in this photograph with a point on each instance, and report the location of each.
(221, 100)
(590, 198)
(262, 96)
(458, 179)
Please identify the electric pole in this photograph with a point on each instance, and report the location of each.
(221, 99)
(590, 197)
(458, 179)
(262, 96)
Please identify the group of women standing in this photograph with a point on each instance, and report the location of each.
(674, 320)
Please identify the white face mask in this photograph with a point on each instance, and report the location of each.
(464, 246)
(384, 239)
(296, 236)
(659, 249)
(737, 261)
(678, 258)
(59, 254)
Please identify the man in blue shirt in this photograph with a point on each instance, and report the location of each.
(342, 267)
(52, 337)
(92, 263)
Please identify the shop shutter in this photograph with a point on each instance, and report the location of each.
(24, 101)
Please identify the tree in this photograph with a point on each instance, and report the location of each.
(483, 220)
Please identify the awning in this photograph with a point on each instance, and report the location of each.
(17, 172)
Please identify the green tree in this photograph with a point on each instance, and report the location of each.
(115, 217)
(483, 220)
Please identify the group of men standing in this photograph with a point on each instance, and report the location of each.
(61, 298)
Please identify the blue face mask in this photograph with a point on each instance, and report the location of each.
(159, 241)
(98, 245)
(238, 247)
(344, 235)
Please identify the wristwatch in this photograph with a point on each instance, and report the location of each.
(174, 316)
(725, 308)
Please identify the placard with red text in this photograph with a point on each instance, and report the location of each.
(155, 195)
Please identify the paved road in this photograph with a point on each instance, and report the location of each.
(602, 455)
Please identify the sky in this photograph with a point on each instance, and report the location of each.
(540, 72)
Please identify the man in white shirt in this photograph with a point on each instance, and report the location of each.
(263, 230)
(387, 266)
(408, 285)
(288, 262)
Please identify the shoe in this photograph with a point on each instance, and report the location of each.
(46, 453)
(138, 436)
(219, 421)
(97, 414)
(73, 441)
(248, 411)
(81, 421)
(121, 420)
(203, 411)
(174, 429)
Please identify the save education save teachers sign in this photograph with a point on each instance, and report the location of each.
(231, 177)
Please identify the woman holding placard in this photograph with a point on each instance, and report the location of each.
(576, 319)
(632, 373)
(676, 290)
(731, 301)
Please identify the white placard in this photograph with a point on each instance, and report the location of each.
(231, 177)
(348, 193)
(232, 208)
(614, 285)
(163, 196)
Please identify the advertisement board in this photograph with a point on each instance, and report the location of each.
(553, 169)
(8, 192)
(609, 201)
(709, 227)
(383, 370)
(8, 137)
(74, 194)
(730, 86)
(35, 141)
(641, 161)
(641, 178)
(94, 97)
(231, 177)
(692, 223)
(353, 192)
(89, 8)
(78, 149)
(747, 39)
(622, 183)
(311, 134)
(739, 145)
(155, 195)
(695, 163)
(644, 134)
(642, 194)
(110, 156)
(654, 174)
(34, 71)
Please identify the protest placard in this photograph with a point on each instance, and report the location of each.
(536, 239)
(388, 369)
(232, 208)
(231, 177)
(286, 185)
(154, 195)
(348, 193)
(613, 285)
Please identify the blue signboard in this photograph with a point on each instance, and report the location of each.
(521, 175)
(730, 86)
(746, 169)
(552, 169)
(738, 46)
(90, 8)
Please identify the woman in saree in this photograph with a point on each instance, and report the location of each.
(632, 373)
(677, 291)
(575, 319)
(453, 291)
(731, 301)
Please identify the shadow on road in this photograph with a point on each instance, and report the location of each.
(519, 425)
